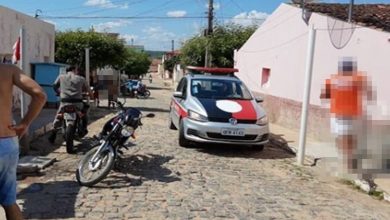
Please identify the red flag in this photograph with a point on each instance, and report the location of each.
(16, 48)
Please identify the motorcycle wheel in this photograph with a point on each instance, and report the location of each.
(147, 94)
(87, 177)
(69, 137)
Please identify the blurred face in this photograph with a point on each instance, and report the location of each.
(347, 68)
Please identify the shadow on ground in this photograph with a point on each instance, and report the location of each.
(132, 170)
(42, 147)
(146, 109)
(158, 88)
(277, 148)
(52, 200)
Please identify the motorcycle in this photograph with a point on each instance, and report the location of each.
(127, 88)
(95, 165)
(142, 92)
(72, 125)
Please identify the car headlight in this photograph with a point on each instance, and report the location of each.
(262, 121)
(196, 116)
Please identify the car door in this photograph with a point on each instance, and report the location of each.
(177, 104)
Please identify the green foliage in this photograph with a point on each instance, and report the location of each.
(105, 50)
(137, 62)
(170, 64)
(222, 44)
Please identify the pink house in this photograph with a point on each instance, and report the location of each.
(272, 62)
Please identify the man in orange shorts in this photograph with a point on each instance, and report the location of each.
(348, 91)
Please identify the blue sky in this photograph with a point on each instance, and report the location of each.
(153, 33)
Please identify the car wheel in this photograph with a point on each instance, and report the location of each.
(258, 147)
(182, 139)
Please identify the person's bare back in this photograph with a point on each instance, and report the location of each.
(11, 75)
(6, 85)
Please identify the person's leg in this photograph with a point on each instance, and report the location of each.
(85, 108)
(56, 125)
(13, 212)
(9, 152)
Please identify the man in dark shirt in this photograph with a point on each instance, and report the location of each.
(71, 86)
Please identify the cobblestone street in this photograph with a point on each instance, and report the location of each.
(158, 179)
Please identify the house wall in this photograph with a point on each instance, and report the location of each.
(280, 44)
(40, 36)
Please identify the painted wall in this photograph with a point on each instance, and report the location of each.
(280, 44)
(40, 36)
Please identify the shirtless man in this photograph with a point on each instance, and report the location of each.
(11, 75)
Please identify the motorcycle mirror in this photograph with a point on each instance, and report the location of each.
(150, 115)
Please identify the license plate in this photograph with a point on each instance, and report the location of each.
(70, 116)
(233, 132)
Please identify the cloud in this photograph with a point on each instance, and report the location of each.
(177, 14)
(109, 26)
(158, 32)
(249, 18)
(105, 4)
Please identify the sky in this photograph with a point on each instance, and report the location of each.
(151, 23)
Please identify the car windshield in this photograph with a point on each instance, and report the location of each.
(219, 89)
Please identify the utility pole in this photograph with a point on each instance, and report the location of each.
(306, 95)
(87, 70)
(351, 3)
(209, 32)
(210, 17)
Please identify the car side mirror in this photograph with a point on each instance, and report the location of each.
(178, 95)
(259, 99)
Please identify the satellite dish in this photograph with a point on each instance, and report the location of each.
(340, 32)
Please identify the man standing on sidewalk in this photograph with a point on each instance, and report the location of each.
(348, 91)
(10, 75)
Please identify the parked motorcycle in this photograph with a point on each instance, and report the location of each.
(95, 165)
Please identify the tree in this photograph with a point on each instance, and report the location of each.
(224, 40)
(136, 63)
(105, 50)
(170, 63)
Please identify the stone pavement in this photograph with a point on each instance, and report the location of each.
(157, 179)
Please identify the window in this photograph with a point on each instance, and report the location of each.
(219, 89)
(182, 87)
(265, 77)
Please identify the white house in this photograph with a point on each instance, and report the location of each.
(40, 36)
(40, 39)
(272, 62)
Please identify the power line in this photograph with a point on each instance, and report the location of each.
(121, 17)
(237, 5)
(139, 17)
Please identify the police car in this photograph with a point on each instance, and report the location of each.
(211, 105)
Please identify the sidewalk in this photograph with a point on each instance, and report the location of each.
(324, 152)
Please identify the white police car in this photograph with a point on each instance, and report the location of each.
(216, 107)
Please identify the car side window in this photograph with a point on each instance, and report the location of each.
(184, 88)
(180, 86)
